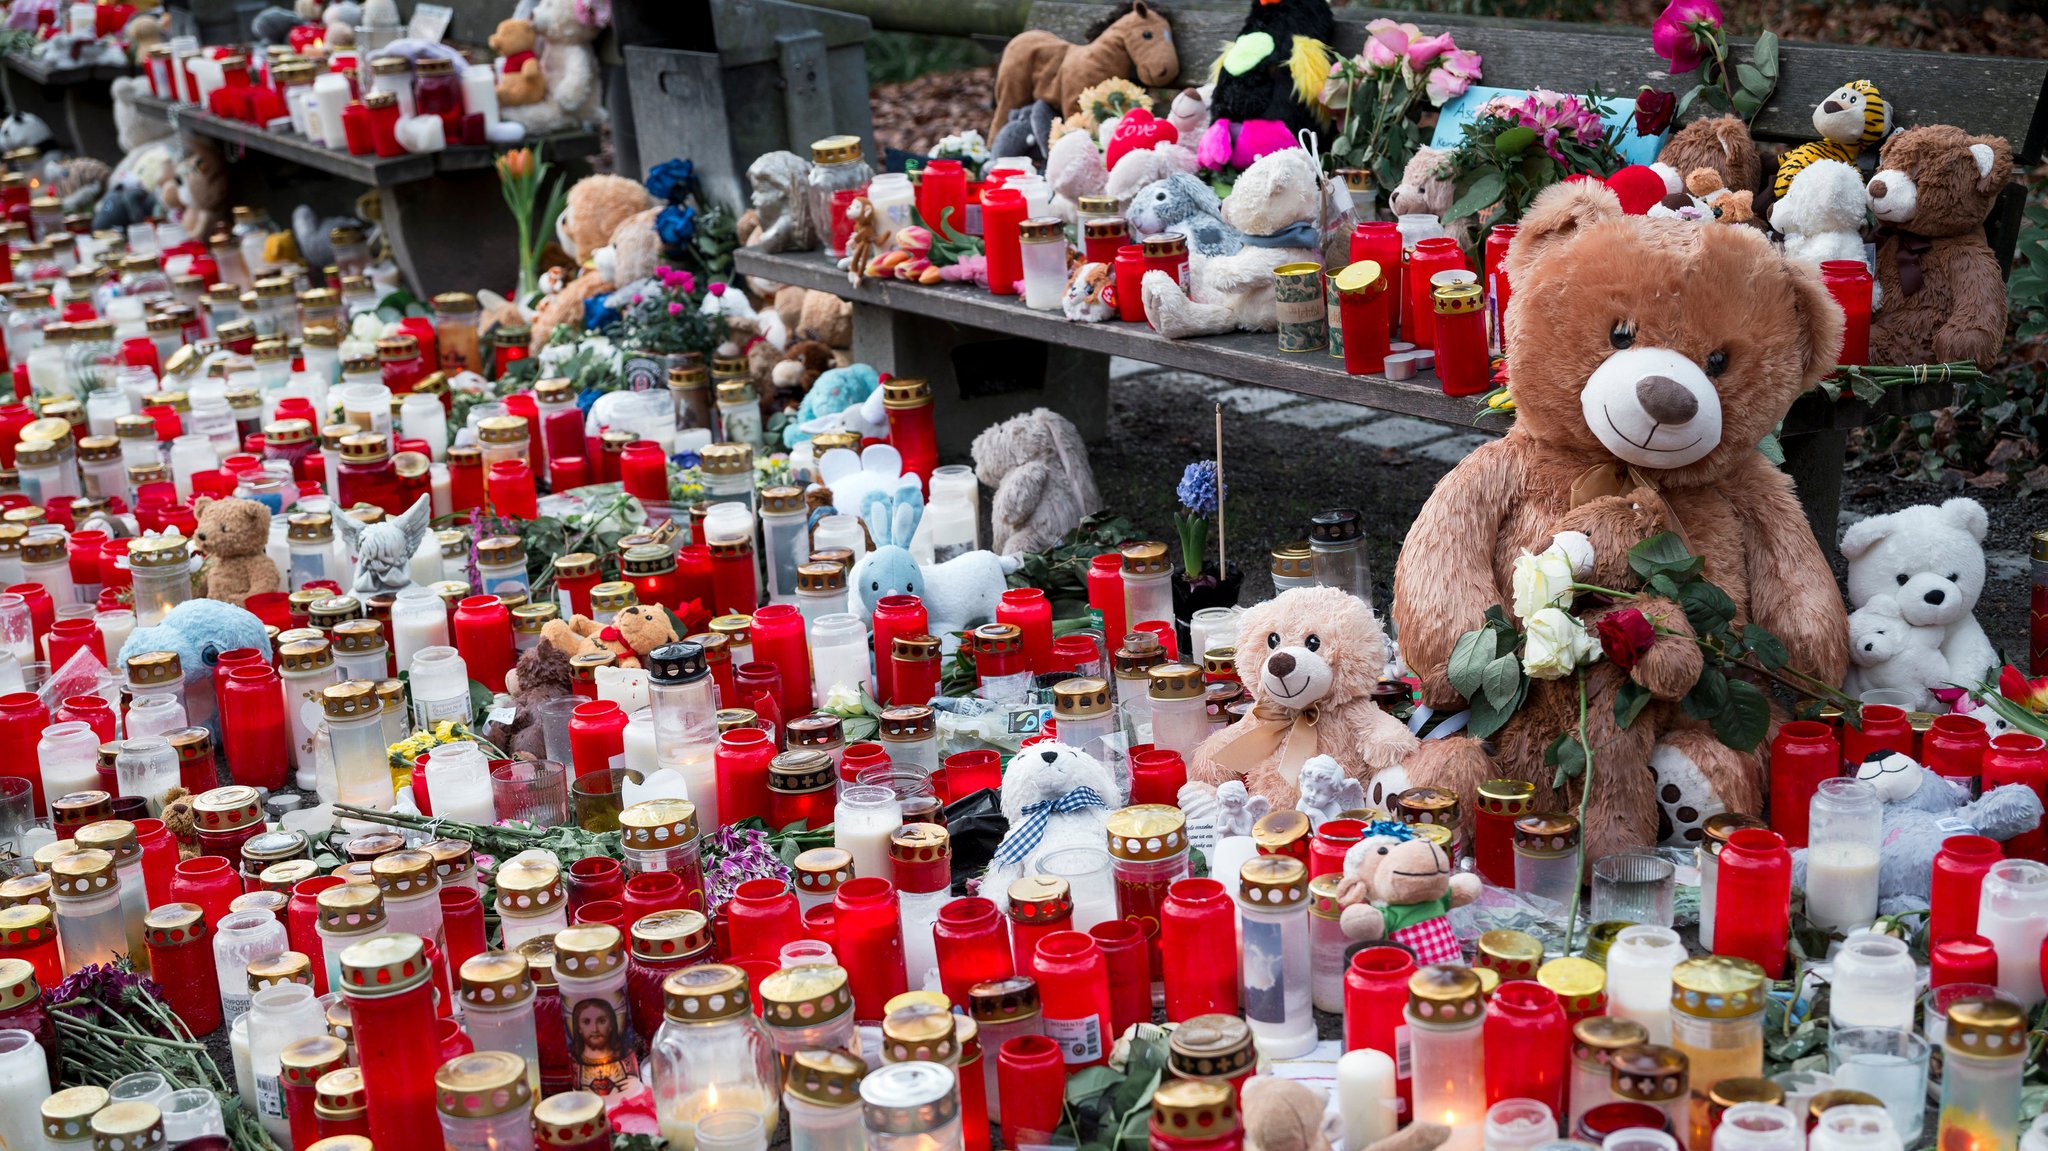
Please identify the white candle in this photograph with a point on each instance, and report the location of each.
(330, 96)
(1875, 984)
(679, 1119)
(82, 20)
(207, 78)
(419, 620)
(443, 489)
(480, 92)
(245, 1067)
(1365, 1096)
(1639, 967)
(422, 134)
(459, 780)
(115, 628)
(862, 822)
(426, 567)
(422, 418)
(190, 454)
(24, 1084)
(2013, 915)
(640, 754)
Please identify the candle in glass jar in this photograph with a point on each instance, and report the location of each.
(2013, 914)
(1446, 1039)
(1717, 1023)
(710, 1055)
(1639, 965)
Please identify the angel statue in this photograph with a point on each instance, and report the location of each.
(1326, 792)
(383, 551)
(1237, 809)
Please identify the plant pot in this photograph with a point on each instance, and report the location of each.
(1205, 591)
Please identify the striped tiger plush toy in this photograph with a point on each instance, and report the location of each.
(1852, 118)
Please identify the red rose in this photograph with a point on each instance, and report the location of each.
(1624, 637)
(1653, 111)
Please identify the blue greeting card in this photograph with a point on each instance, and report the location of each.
(1621, 114)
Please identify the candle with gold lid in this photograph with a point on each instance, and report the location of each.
(1500, 803)
(67, 1117)
(485, 1099)
(1717, 1023)
(809, 1007)
(1514, 954)
(711, 1054)
(1546, 856)
(1655, 1075)
(1446, 1020)
(572, 1121)
(1595, 1040)
(822, 1094)
(1984, 1048)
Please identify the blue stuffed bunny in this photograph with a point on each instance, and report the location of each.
(958, 594)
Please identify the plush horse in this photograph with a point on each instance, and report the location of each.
(1038, 65)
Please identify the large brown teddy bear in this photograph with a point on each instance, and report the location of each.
(596, 208)
(233, 535)
(1670, 350)
(1309, 657)
(1943, 297)
(1719, 143)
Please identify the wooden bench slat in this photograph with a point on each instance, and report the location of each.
(1993, 95)
(1249, 357)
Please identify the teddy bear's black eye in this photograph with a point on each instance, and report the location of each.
(1623, 336)
(1954, 578)
(1313, 642)
(1383, 851)
(1717, 362)
(1148, 35)
(1273, 639)
(1902, 579)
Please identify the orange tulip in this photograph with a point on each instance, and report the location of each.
(516, 164)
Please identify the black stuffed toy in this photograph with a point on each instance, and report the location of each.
(1267, 81)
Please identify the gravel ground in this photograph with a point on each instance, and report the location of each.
(1285, 457)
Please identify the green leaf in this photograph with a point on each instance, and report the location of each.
(480, 698)
(1486, 189)
(1769, 650)
(1487, 718)
(1742, 723)
(1503, 680)
(1513, 141)
(1568, 755)
(1708, 695)
(1089, 1082)
(1663, 585)
(1707, 607)
(1467, 670)
(1685, 101)
(1770, 449)
(1752, 81)
(1746, 103)
(1662, 553)
(1629, 702)
(1765, 54)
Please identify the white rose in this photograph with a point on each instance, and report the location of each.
(1556, 645)
(1541, 581)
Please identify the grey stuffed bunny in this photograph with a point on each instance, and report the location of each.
(1027, 132)
(1181, 203)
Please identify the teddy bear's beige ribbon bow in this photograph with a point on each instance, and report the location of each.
(1271, 728)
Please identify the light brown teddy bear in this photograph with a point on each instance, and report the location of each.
(1721, 143)
(233, 535)
(519, 78)
(1309, 657)
(1670, 351)
(1289, 1115)
(1400, 887)
(631, 635)
(1729, 207)
(1943, 297)
(596, 209)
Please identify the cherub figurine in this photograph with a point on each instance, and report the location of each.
(1237, 809)
(1326, 792)
(384, 550)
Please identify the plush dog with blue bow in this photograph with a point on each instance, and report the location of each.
(1054, 796)
(1268, 220)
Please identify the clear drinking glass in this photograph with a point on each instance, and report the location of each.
(731, 1131)
(533, 790)
(17, 630)
(193, 1113)
(598, 799)
(17, 813)
(1891, 1065)
(1634, 887)
(554, 725)
(1091, 880)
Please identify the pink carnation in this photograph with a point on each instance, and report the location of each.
(675, 309)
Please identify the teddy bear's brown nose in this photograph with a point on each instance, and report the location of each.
(1666, 400)
(1877, 188)
(1281, 664)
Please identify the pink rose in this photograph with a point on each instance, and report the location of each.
(1379, 57)
(1421, 52)
(675, 309)
(1453, 76)
(1386, 43)
(1679, 34)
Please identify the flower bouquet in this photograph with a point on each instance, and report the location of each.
(1376, 95)
(665, 316)
(1517, 146)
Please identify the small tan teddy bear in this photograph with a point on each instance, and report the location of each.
(519, 78)
(631, 635)
(232, 534)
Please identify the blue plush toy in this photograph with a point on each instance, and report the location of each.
(198, 630)
(836, 390)
(958, 594)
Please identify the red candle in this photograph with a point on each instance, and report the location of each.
(180, 941)
(1884, 728)
(301, 1065)
(1198, 946)
(868, 930)
(1849, 282)
(735, 587)
(159, 858)
(22, 720)
(972, 946)
(511, 488)
(1002, 214)
(1959, 869)
(650, 893)
(1430, 256)
(1380, 242)
(594, 878)
(1130, 973)
(1498, 290)
(741, 761)
(907, 404)
(1106, 596)
(1962, 959)
(895, 615)
(1462, 366)
(2017, 757)
(28, 932)
(761, 916)
(42, 611)
(1157, 775)
(779, 639)
(356, 129)
(858, 757)
(1031, 611)
(1364, 315)
(1102, 237)
(253, 732)
(465, 478)
(693, 568)
(1752, 908)
(609, 912)
(1073, 989)
(970, 771)
(302, 915)
(942, 197)
(388, 985)
(1039, 906)
(1953, 749)
(1528, 1045)
(1327, 845)
(483, 632)
(1803, 753)
(1031, 1079)
(92, 710)
(1375, 1000)
(643, 469)
(1130, 283)
(597, 736)
(208, 881)
(802, 788)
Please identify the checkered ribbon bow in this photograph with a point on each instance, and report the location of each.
(1026, 836)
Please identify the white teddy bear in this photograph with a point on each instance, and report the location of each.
(1822, 214)
(569, 65)
(1054, 796)
(1888, 652)
(1273, 208)
(1930, 559)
